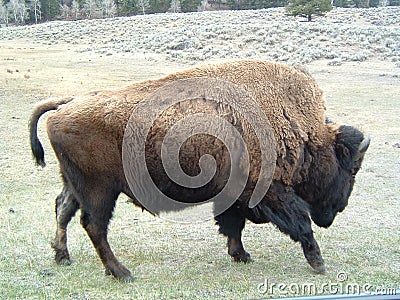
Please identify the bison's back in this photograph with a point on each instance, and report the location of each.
(289, 97)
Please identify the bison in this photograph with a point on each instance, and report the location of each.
(316, 160)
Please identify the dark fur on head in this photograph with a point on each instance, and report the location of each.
(329, 195)
(348, 140)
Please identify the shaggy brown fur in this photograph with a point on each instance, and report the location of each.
(87, 135)
(290, 98)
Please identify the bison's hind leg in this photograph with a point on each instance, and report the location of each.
(96, 192)
(96, 215)
(66, 207)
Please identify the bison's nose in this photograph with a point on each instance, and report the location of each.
(341, 208)
(323, 219)
(326, 224)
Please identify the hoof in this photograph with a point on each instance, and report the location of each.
(62, 258)
(123, 275)
(320, 269)
(127, 279)
(64, 262)
(318, 265)
(242, 257)
(315, 260)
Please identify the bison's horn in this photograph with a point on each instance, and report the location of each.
(362, 148)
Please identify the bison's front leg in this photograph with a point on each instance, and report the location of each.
(312, 253)
(297, 224)
(289, 213)
(66, 207)
(231, 223)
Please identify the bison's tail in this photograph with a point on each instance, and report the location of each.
(39, 110)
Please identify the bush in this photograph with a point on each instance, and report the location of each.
(308, 8)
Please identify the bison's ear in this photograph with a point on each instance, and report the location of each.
(350, 147)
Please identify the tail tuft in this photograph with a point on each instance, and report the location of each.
(37, 151)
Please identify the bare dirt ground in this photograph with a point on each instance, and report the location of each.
(174, 261)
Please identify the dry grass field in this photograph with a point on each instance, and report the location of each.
(175, 261)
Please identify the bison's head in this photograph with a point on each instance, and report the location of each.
(329, 188)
